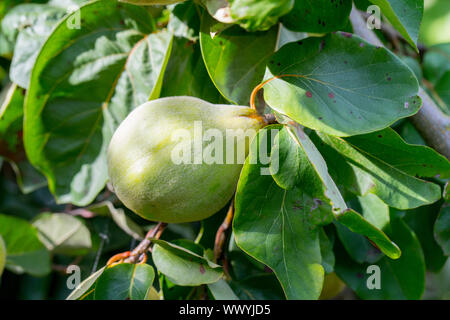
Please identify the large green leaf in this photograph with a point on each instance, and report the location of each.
(183, 266)
(33, 23)
(315, 181)
(236, 59)
(341, 85)
(404, 15)
(62, 233)
(273, 225)
(84, 83)
(125, 280)
(186, 74)
(387, 146)
(403, 278)
(254, 15)
(184, 21)
(25, 252)
(364, 173)
(318, 16)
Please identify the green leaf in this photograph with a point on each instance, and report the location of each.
(374, 210)
(184, 21)
(151, 2)
(123, 281)
(182, 266)
(320, 16)
(84, 83)
(36, 21)
(442, 229)
(85, 287)
(28, 178)
(404, 15)
(258, 15)
(356, 223)
(326, 250)
(321, 184)
(364, 173)
(341, 85)
(11, 115)
(62, 233)
(25, 252)
(422, 221)
(120, 218)
(2, 255)
(186, 74)
(222, 291)
(387, 146)
(307, 166)
(235, 59)
(357, 246)
(269, 226)
(436, 64)
(403, 278)
(260, 287)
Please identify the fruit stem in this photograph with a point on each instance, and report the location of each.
(262, 84)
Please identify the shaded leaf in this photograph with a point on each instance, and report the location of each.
(25, 252)
(320, 16)
(222, 291)
(11, 115)
(404, 15)
(403, 278)
(62, 233)
(260, 287)
(123, 281)
(235, 59)
(120, 218)
(186, 74)
(182, 266)
(442, 229)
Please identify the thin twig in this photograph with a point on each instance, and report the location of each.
(220, 235)
(140, 252)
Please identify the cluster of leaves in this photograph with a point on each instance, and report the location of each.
(353, 183)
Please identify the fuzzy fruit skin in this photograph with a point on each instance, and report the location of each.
(142, 171)
(2, 255)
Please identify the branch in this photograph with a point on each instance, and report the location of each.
(139, 254)
(220, 235)
(430, 121)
